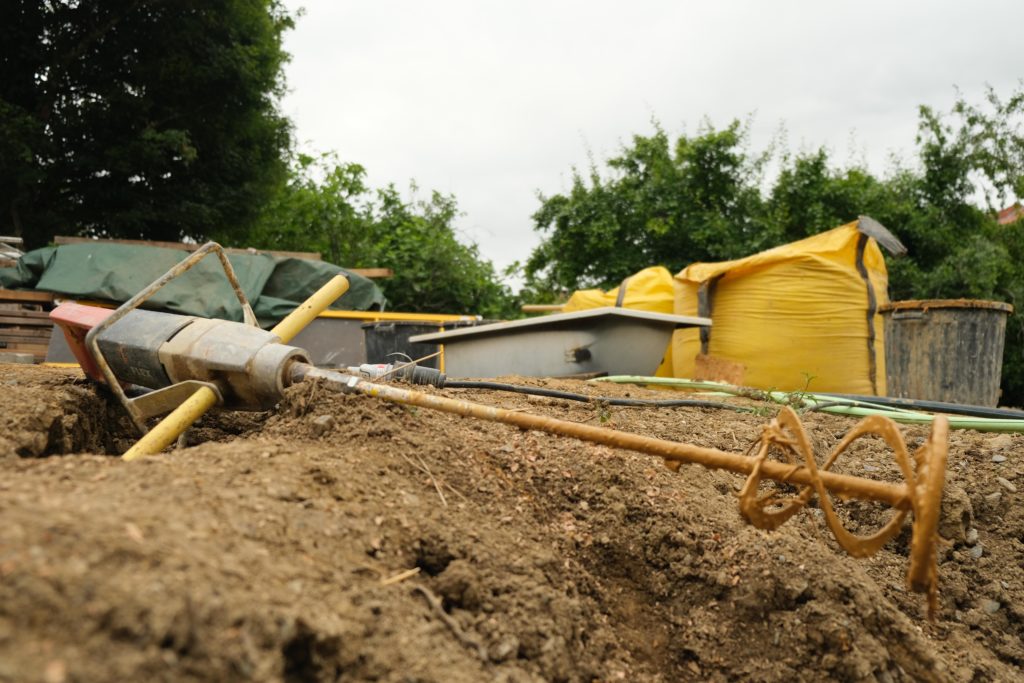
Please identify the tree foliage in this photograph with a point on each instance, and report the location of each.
(138, 118)
(326, 206)
(697, 198)
(705, 199)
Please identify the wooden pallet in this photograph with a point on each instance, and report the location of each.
(25, 327)
(38, 351)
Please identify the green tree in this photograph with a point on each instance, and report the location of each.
(139, 118)
(810, 195)
(326, 206)
(696, 200)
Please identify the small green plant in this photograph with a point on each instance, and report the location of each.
(767, 407)
(797, 400)
(769, 403)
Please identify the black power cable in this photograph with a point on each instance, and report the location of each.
(420, 375)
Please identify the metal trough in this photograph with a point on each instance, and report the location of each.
(617, 341)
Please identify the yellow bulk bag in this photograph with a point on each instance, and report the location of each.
(805, 309)
(652, 289)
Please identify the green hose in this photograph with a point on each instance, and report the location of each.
(825, 404)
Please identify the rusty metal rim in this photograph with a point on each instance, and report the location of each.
(926, 304)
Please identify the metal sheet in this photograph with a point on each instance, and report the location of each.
(58, 351)
(612, 340)
(333, 342)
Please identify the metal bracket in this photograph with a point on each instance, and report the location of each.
(165, 400)
(132, 406)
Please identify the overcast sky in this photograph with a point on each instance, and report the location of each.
(493, 102)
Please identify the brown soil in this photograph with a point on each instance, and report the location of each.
(274, 550)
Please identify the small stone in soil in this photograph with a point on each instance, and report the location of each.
(994, 498)
(1001, 441)
(998, 458)
(1007, 484)
(990, 606)
(504, 649)
(322, 424)
(972, 536)
(977, 551)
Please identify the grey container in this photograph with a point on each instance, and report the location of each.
(945, 349)
(616, 341)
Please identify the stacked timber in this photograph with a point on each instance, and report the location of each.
(25, 325)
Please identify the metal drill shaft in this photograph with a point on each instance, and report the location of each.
(894, 495)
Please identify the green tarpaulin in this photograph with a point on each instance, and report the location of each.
(116, 272)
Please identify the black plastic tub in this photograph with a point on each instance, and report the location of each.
(387, 338)
(945, 349)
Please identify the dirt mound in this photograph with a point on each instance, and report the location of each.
(50, 412)
(343, 538)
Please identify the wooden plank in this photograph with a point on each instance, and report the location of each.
(25, 332)
(18, 295)
(22, 346)
(11, 240)
(37, 349)
(22, 313)
(18, 320)
(35, 332)
(65, 239)
(372, 272)
(7, 263)
(28, 347)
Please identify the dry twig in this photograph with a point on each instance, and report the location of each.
(453, 626)
(422, 468)
(400, 576)
(433, 480)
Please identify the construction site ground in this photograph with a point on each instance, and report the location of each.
(343, 538)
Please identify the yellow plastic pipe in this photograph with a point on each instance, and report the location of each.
(196, 405)
(310, 308)
(172, 426)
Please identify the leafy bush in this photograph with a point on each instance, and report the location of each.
(327, 207)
